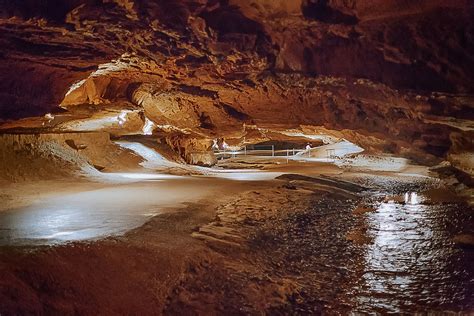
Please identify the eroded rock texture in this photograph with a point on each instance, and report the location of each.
(390, 75)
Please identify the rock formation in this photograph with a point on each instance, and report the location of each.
(392, 76)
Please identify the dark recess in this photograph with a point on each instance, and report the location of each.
(234, 113)
(321, 11)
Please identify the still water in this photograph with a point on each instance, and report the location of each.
(412, 264)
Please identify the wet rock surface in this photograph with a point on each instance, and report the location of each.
(320, 257)
(412, 264)
(296, 245)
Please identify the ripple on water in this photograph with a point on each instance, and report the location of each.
(412, 263)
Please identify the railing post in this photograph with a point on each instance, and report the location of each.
(273, 150)
(245, 150)
(287, 155)
(293, 151)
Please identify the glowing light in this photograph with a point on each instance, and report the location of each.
(411, 198)
(122, 118)
(148, 127)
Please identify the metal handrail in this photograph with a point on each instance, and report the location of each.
(262, 152)
(272, 152)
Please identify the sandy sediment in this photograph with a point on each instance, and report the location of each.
(26, 157)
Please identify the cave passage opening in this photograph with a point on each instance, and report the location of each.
(294, 149)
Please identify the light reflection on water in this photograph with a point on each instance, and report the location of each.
(412, 262)
(98, 213)
(411, 198)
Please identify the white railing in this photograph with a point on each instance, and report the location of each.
(258, 151)
(329, 153)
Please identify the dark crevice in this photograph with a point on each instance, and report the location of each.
(194, 90)
(233, 112)
(321, 11)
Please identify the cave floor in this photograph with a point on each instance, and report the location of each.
(334, 242)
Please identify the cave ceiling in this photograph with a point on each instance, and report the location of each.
(391, 75)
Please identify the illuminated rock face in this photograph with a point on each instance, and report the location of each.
(392, 76)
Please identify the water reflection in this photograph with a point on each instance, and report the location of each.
(411, 198)
(412, 262)
(98, 213)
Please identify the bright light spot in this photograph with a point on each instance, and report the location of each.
(94, 124)
(329, 151)
(75, 86)
(148, 127)
(152, 159)
(146, 152)
(147, 176)
(122, 118)
(411, 198)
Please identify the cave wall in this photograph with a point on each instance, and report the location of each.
(391, 75)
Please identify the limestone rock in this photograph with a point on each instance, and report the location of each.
(391, 76)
